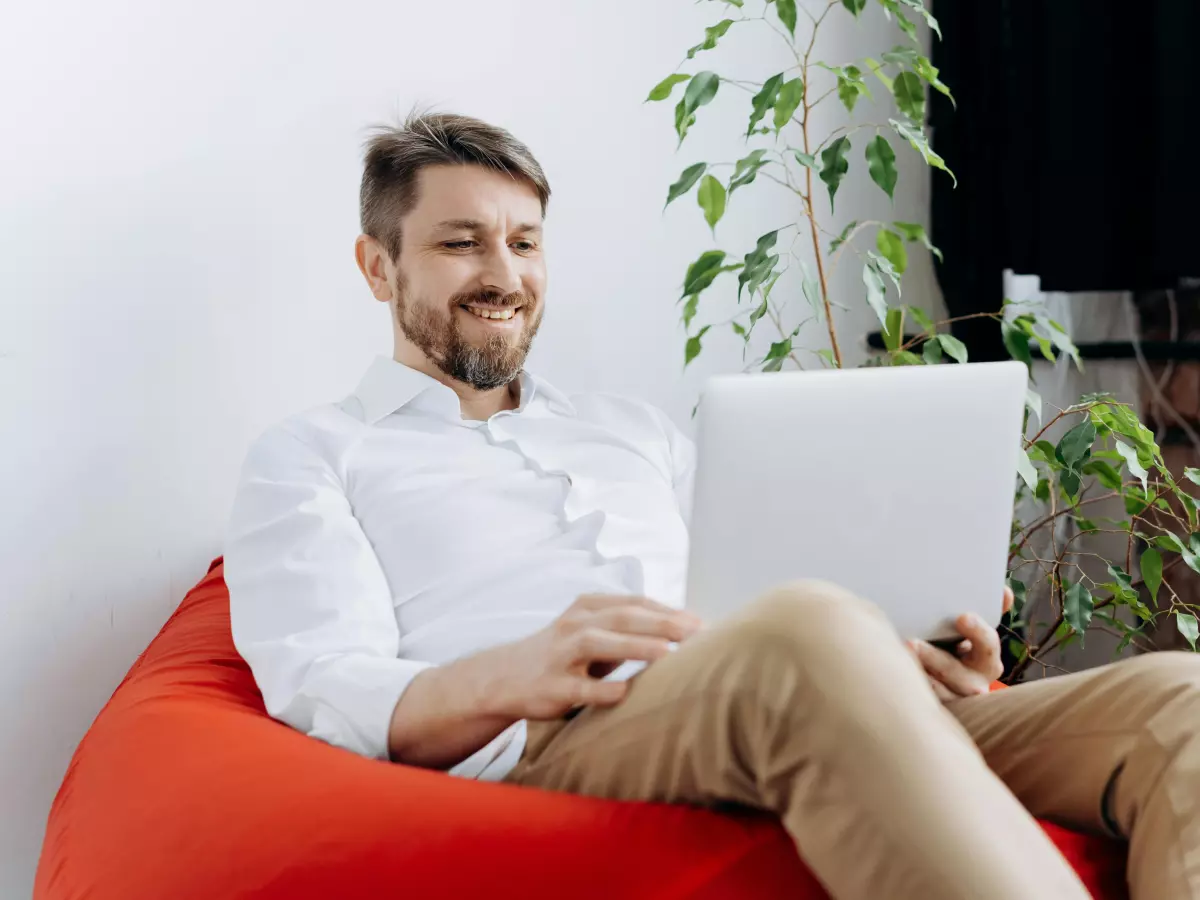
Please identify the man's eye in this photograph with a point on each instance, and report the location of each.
(524, 246)
(459, 245)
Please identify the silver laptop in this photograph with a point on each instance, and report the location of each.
(896, 483)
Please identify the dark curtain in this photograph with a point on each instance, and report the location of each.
(1076, 148)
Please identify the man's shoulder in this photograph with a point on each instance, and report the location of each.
(323, 431)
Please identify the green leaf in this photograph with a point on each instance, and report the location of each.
(928, 71)
(689, 309)
(931, 351)
(711, 198)
(1020, 594)
(1132, 463)
(662, 90)
(849, 90)
(764, 100)
(855, 6)
(916, 138)
(777, 355)
(918, 7)
(693, 347)
(711, 35)
(1033, 403)
(901, 56)
(877, 69)
(700, 91)
(740, 330)
(881, 165)
(687, 178)
(700, 274)
(1151, 563)
(921, 318)
(1192, 474)
(1077, 607)
(759, 263)
(884, 266)
(1104, 473)
(1076, 444)
(834, 165)
(812, 293)
(891, 247)
(1026, 469)
(910, 96)
(746, 169)
(912, 231)
(1016, 343)
(827, 355)
(876, 292)
(841, 238)
(805, 159)
(893, 329)
(758, 312)
(791, 95)
(1186, 623)
(787, 14)
(954, 348)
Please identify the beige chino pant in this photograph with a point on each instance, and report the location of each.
(808, 705)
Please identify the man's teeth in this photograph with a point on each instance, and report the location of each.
(493, 313)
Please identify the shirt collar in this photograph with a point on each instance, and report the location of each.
(389, 385)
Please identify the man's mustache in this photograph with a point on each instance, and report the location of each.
(492, 298)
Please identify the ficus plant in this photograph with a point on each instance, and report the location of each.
(1094, 455)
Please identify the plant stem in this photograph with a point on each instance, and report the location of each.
(808, 191)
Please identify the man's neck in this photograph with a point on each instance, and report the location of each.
(476, 405)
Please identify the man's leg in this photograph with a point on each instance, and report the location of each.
(809, 705)
(1111, 749)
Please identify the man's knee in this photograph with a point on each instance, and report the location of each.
(803, 621)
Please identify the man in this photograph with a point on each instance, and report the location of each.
(443, 568)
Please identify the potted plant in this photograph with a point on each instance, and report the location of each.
(1102, 452)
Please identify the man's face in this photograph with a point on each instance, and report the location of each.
(469, 282)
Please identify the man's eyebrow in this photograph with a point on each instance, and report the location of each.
(474, 225)
(459, 225)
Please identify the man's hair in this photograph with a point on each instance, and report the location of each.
(395, 155)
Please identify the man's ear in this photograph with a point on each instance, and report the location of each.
(373, 262)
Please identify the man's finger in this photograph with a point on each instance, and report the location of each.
(943, 667)
(584, 691)
(1007, 605)
(984, 656)
(673, 625)
(597, 645)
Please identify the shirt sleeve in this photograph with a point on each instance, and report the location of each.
(310, 607)
(683, 464)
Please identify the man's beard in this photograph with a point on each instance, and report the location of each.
(490, 363)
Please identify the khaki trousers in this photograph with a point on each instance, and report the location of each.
(809, 706)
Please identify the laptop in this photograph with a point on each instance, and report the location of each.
(896, 483)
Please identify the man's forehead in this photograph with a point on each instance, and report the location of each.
(474, 198)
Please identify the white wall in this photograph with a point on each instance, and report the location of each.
(179, 203)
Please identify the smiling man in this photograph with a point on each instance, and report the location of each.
(461, 568)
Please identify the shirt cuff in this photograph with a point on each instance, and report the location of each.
(357, 697)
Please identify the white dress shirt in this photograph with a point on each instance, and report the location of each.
(373, 538)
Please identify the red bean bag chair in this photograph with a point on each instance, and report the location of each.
(184, 788)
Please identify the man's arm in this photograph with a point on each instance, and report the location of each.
(310, 608)
(312, 614)
(449, 712)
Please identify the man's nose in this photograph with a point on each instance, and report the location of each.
(501, 272)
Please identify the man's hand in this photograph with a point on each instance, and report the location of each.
(448, 712)
(561, 667)
(976, 665)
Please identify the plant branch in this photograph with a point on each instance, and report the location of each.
(808, 192)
